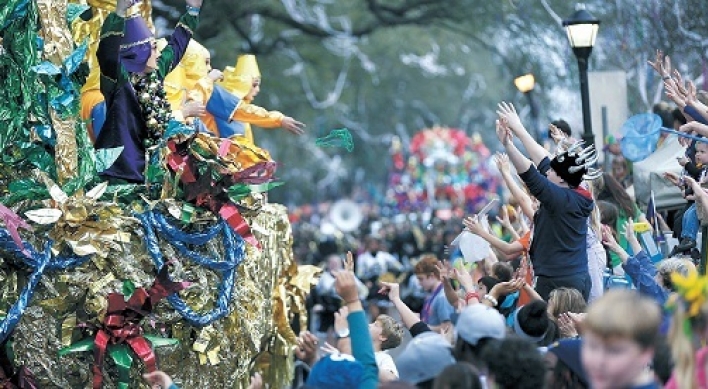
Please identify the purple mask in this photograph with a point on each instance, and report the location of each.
(136, 47)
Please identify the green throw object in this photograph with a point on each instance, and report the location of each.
(337, 138)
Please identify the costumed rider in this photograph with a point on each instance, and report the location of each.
(132, 76)
(558, 248)
(199, 89)
(240, 86)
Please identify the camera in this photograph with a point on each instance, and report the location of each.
(687, 191)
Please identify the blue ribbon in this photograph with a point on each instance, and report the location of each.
(40, 263)
(234, 253)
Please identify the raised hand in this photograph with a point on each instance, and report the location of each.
(692, 128)
(445, 269)
(306, 349)
(292, 125)
(391, 289)
(503, 132)
(473, 224)
(661, 64)
(346, 287)
(629, 231)
(672, 91)
(504, 220)
(507, 112)
(506, 288)
(691, 92)
(465, 279)
(672, 177)
(158, 379)
(608, 239)
(502, 161)
(556, 134)
(680, 85)
(349, 262)
(340, 319)
(522, 221)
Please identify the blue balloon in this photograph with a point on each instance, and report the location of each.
(640, 133)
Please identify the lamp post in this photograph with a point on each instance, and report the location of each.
(525, 85)
(582, 30)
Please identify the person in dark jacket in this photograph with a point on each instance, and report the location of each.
(558, 248)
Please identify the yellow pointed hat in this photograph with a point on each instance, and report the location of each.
(194, 63)
(239, 80)
(93, 81)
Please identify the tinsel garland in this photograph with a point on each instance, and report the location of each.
(234, 253)
(40, 263)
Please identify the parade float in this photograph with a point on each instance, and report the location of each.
(441, 169)
(191, 272)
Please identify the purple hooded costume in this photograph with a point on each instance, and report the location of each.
(125, 47)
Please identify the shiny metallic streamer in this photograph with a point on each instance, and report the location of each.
(234, 254)
(40, 262)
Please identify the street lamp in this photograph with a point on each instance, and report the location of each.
(582, 30)
(525, 85)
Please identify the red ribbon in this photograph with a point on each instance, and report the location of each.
(23, 379)
(177, 160)
(122, 323)
(203, 191)
(259, 173)
(230, 213)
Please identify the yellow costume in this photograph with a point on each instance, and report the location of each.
(183, 77)
(239, 81)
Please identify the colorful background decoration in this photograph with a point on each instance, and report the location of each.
(442, 168)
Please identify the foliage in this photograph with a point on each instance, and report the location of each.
(393, 67)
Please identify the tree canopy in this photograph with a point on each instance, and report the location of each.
(392, 67)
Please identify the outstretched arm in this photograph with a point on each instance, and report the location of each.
(521, 197)
(108, 52)
(408, 317)
(508, 113)
(472, 223)
(177, 43)
(261, 117)
(445, 270)
(520, 162)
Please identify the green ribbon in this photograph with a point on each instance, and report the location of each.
(81, 346)
(241, 191)
(121, 354)
(187, 213)
(128, 288)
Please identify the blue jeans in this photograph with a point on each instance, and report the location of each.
(690, 223)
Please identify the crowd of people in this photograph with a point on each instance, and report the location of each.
(537, 310)
(533, 311)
